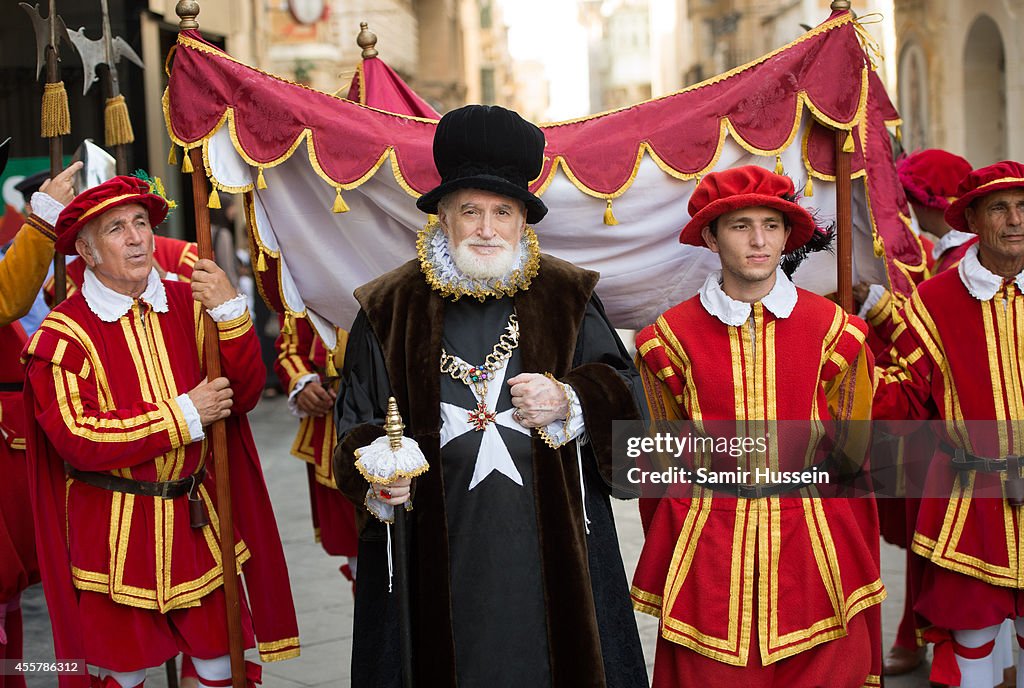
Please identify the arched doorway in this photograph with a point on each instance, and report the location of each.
(985, 93)
(913, 92)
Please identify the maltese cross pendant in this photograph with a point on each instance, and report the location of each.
(481, 417)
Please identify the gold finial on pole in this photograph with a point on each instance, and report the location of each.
(367, 40)
(393, 425)
(840, 5)
(187, 11)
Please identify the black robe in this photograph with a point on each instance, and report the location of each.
(507, 587)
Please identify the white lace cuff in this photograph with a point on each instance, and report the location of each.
(875, 294)
(46, 207)
(293, 398)
(229, 310)
(577, 426)
(188, 409)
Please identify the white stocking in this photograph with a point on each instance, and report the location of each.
(217, 669)
(975, 673)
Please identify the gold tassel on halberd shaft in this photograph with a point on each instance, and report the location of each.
(117, 123)
(56, 118)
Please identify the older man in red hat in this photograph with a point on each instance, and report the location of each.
(930, 179)
(759, 584)
(117, 402)
(957, 359)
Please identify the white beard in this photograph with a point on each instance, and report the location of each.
(476, 266)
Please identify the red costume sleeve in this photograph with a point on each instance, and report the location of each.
(903, 379)
(93, 436)
(240, 359)
(293, 352)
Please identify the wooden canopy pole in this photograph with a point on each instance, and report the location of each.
(187, 10)
(844, 208)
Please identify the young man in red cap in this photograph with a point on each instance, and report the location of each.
(117, 403)
(22, 271)
(759, 585)
(957, 358)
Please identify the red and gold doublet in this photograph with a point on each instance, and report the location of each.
(300, 353)
(102, 396)
(958, 359)
(793, 569)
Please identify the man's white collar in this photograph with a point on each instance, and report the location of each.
(950, 239)
(781, 300)
(981, 283)
(109, 306)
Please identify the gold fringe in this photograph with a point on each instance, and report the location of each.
(340, 206)
(261, 263)
(332, 370)
(609, 217)
(214, 201)
(778, 164)
(117, 125)
(261, 183)
(172, 156)
(848, 146)
(879, 247)
(287, 328)
(56, 118)
(186, 164)
(809, 187)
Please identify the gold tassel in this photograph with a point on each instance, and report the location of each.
(340, 206)
(848, 146)
(186, 164)
(609, 217)
(117, 124)
(332, 370)
(287, 328)
(214, 201)
(899, 134)
(778, 164)
(261, 183)
(56, 118)
(261, 263)
(879, 247)
(809, 187)
(172, 157)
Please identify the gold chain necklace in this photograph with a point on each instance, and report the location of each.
(477, 377)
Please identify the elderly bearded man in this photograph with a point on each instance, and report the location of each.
(512, 585)
(121, 473)
(760, 585)
(957, 358)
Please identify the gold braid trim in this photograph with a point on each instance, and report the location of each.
(518, 279)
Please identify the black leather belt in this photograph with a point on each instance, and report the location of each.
(11, 386)
(965, 461)
(170, 489)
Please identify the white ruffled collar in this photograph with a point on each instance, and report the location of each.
(109, 306)
(980, 282)
(780, 301)
(443, 276)
(950, 239)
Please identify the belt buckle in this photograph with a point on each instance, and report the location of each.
(164, 487)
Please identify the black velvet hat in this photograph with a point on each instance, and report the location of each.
(490, 148)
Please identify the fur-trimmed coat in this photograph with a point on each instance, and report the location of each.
(394, 350)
